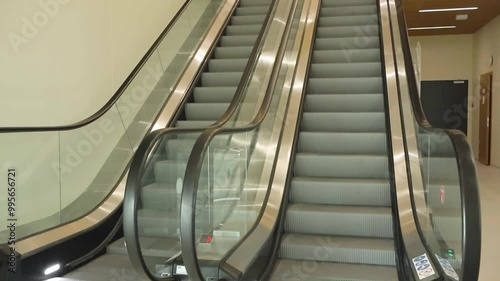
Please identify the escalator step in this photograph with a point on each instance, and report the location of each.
(345, 85)
(193, 124)
(243, 29)
(343, 122)
(287, 270)
(341, 166)
(342, 143)
(233, 52)
(343, 56)
(340, 191)
(339, 70)
(348, 31)
(335, 220)
(214, 94)
(205, 111)
(340, 3)
(348, 20)
(221, 79)
(248, 20)
(227, 65)
(320, 248)
(348, 11)
(238, 40)
(250, 11)
(253, 3)
(344, 103)
(346, 43)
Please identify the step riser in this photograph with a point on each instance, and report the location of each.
(343, 122)
(340, 194)
(348, 21)
(341, 166)
(344, 103)
(333, 254)
(346, 56)
(340, 224)
(348, 11)
(321, 86)
(347, 31)
(349, 43)
(359, 143)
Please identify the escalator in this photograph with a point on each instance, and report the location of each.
(201, 103)
(340, 199)
(353, 177)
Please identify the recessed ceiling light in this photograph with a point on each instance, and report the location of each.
(462, 17)
(449, 9)
(433, 27)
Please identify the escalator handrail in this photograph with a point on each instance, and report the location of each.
(150, 142)
(469, 187)
(109, 104)
(197, 156)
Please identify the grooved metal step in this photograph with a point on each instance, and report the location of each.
(343, 122)
(339, 220)
(233, 52)
(287, 270)
(342, 143)
(344, 103)
(214, 94)
(348, 31)
(345, 85)
(341, 3)
(346, 43)
(348, 20)
(347, 70)
(343, 56)
(348, 11)
(341, 166)
(360, 250)
(227, 65)
(340, 191)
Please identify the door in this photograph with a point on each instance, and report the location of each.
(485, 118)
(445, 103)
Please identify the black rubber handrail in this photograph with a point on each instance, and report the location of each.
(118, 93)
(150, 142)
(469, 187)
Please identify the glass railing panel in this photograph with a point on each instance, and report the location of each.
(93, 159)
(237, 167)
(30, 179)
(261, 74)
(158, 212)
(77, 169)
(443, 197)
(435, 180)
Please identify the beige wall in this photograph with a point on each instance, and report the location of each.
(487, 44)
(446, 58)
(61, 60)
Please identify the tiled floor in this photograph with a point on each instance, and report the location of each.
(489, 184)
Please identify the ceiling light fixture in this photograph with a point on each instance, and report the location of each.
(448, 9)
(462, 17)
(433, 27)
